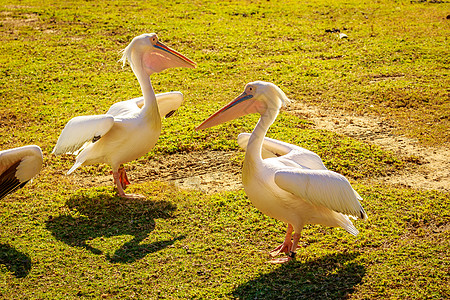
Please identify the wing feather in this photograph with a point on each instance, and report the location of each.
(29, 159)
(9, 182)
(169, 102)
(322, 187)
(275, 148)
(18, 166)
(127, 107)
(81, 130)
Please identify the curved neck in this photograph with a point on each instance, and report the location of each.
(150, 107)
(256, 140)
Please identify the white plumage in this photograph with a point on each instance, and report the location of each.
(17, 167)
(82, 131)
(285, 181)
(275, 148)
(129, 129)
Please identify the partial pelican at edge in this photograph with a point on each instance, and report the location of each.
(17, 167)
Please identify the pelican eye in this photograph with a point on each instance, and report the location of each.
(154, 39)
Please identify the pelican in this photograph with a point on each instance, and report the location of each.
(285, 181)
(129, 129)
(17, 167)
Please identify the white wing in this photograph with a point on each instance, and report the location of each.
(81, 131)
(126, 107)
(18, 166)
(322, 187)
(167, 102)
(276, 148)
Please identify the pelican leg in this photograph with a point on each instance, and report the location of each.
(117, 180)
(286, 245)
(116, 177)
(123, 178)
(294, 247)
(291, 252)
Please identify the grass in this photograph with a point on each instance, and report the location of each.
(59, 60)
(180, 244)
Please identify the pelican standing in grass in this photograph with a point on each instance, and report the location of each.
(17, 167)
(129, 129)
(284, 181)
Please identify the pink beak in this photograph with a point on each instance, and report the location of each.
(164, 57)
(243, 105)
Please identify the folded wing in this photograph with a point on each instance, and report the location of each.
(17, 167)
(322, 187)
(275, 148)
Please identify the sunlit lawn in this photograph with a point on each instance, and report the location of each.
(59, 239)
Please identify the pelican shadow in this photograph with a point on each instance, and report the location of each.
(103, 217)
(15, 261)
(329, 277)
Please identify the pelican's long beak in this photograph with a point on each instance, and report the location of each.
(243, 105)
(163, 57)
(183, 60)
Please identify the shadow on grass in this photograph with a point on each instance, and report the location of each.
(15, 261)
(329, 277)
(103, 216)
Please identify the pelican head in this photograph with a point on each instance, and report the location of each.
(258, 97)
(153, 56)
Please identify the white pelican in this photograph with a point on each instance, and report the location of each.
(284, 181)
(129, 129)
(17, 167)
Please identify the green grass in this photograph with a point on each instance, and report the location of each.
(179, 244)
(60, 59)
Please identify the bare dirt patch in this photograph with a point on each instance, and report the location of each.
(24, 19)
(433, 171)
(207, 171)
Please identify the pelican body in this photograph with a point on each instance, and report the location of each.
(284, 181)
(129, 129)
(17, 167)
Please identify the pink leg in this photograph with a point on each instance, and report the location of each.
(123, 178)
(286, 245)
(120, 191)
(291, 253)
(118, 182)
